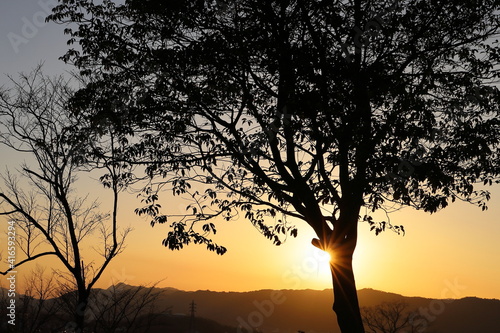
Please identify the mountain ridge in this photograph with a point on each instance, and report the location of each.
(309, 310)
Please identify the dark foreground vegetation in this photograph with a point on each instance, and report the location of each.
(124, 308)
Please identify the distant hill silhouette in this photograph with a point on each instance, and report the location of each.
(288, 311)
(310, 310)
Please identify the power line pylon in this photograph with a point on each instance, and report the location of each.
(192, 309)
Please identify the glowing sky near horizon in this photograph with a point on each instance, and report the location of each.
(459, 245)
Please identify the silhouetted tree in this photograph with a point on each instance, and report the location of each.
(389, 317)
(37, 311)
(43, 212)
(45, 306)
(122, 308)
(37, 308)
(322, 111)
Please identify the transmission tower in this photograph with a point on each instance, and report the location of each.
(192, 309)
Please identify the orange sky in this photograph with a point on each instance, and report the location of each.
(458, 246)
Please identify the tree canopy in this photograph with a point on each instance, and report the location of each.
(320, 111)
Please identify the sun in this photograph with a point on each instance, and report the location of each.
(315, 264)
(308, 263)
(324, 256)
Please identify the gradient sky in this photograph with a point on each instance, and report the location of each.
(459, 246)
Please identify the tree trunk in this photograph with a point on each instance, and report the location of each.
(80, 312)
(346, 304)
(341, 243)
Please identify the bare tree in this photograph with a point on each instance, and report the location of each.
(39, 312)
(39, 200)
(36, 308)
(388, 317)
(125, 308)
